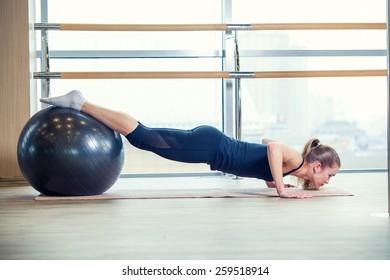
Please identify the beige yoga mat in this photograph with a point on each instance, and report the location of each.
(192, 193)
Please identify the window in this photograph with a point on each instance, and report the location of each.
(348, 113)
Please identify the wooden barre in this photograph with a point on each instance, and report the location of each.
(320, 74)
(144, 75)
(143, 27)
(208, 27)
(209, 75)
(318, 26)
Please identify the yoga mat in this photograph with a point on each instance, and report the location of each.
(192, 193)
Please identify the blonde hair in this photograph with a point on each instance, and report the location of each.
(315, 151)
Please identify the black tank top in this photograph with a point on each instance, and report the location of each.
(244, 159)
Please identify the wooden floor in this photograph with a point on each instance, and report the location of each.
(186, 229)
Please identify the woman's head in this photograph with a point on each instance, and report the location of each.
(323, 162)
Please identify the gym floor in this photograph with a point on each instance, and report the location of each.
(323, 228)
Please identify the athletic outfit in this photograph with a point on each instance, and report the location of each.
(206, 144)
(203, 144)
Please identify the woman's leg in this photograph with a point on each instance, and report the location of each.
(117, 121)
(198, 145)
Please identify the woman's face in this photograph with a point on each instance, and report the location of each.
(321, 175)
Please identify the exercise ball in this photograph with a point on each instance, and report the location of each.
(63, 152)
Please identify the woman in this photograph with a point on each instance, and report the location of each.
(270, 161)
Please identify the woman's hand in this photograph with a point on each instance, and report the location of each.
(287, 194)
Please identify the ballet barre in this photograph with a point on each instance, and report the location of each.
(208, 74)
(207, 27)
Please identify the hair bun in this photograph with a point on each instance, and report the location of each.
(315, 143)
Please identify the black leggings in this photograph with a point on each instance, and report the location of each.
(198, 145)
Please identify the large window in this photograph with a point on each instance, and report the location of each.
(349, 113)
(161, 103)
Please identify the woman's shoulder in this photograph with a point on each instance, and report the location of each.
(289, 154)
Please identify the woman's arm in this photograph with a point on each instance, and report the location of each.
(278, 155)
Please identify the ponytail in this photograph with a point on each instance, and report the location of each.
(311, 144)
(315, 151)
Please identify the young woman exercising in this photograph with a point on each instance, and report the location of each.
(270, 161)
